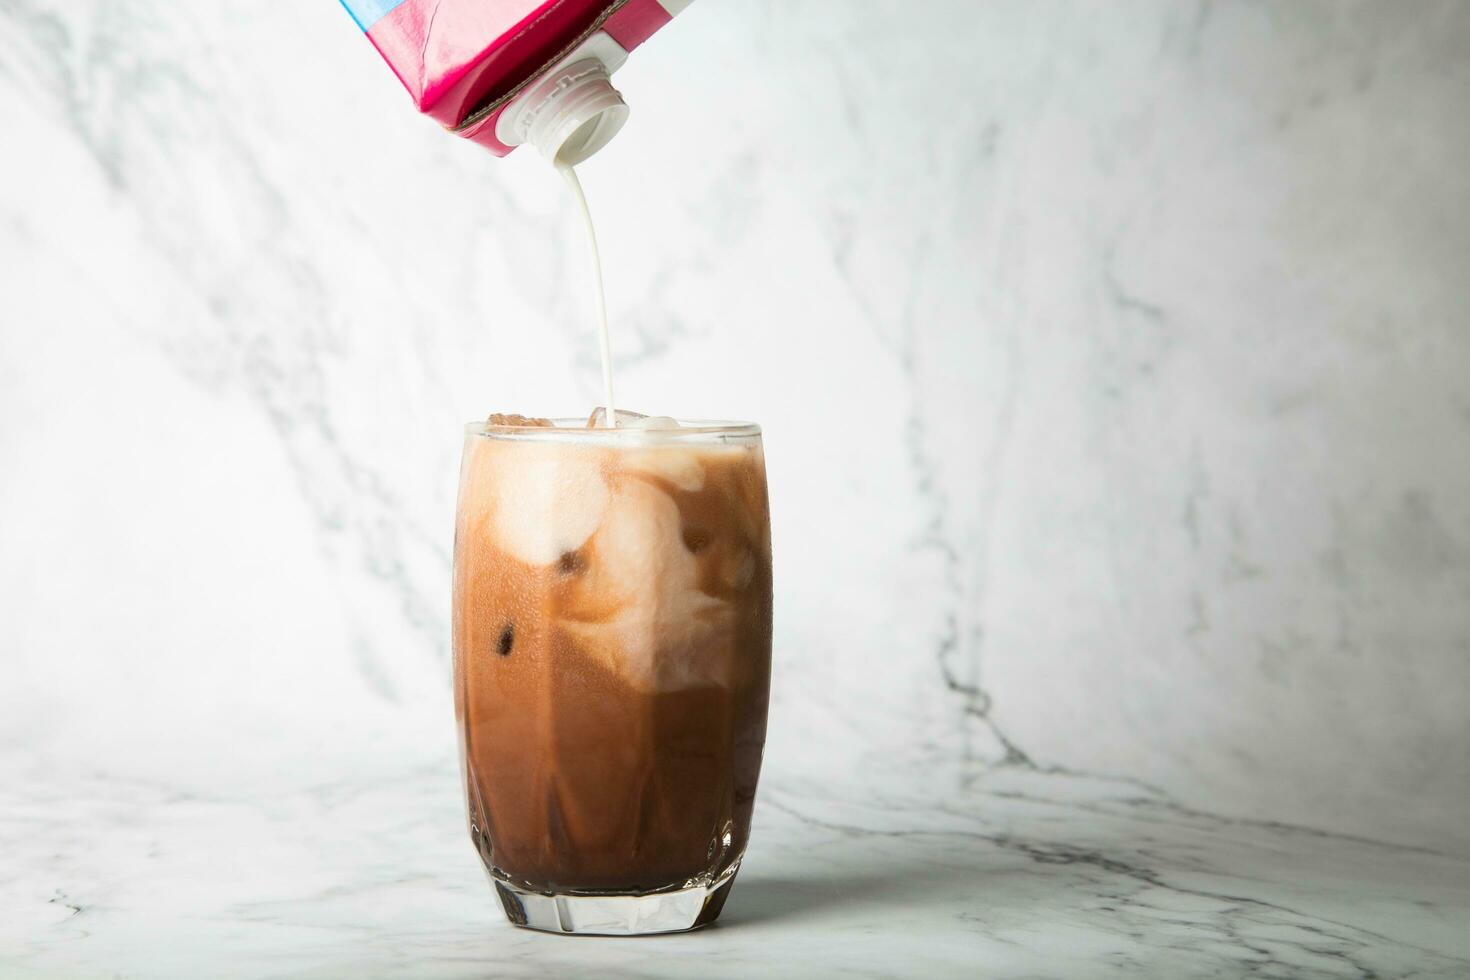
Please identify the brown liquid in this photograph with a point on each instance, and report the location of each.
(612, 658)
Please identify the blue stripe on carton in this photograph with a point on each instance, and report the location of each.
(369, 12)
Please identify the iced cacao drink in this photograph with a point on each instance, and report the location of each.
(612, 638)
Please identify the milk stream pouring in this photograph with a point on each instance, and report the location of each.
(506, 72)
(604, 343)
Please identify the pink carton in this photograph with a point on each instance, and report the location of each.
(505, 72)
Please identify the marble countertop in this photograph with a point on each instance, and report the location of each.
(1025, 873)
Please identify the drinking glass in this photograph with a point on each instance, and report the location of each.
(612, 654)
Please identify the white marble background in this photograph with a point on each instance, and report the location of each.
(1113, 363)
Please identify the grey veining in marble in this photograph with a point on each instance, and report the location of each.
(1024, 875)
(1112, 361)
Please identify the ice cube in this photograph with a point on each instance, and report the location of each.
(630, 420)
(648, 422)
(676, 464)
(548, 500)
(521, 421)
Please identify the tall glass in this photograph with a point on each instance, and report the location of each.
(612, 659)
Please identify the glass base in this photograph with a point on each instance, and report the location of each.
(615, 915)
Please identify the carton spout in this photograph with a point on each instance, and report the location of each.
(568, 114)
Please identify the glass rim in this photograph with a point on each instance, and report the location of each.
(575, 429)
